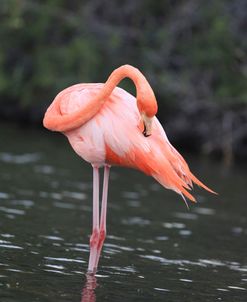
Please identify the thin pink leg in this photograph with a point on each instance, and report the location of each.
(95, 231)
(102, 228)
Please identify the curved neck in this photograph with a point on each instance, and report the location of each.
(146, 101)
(145, 97)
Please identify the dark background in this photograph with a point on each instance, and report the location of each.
(193, 52)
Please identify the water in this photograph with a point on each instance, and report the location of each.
(156, 250)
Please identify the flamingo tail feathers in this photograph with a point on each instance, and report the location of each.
(200, 184)
(179, 184)
(175, 174)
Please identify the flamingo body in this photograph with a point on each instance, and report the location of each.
(114, 137)
(105, 125)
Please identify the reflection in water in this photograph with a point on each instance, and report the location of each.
(88, 292)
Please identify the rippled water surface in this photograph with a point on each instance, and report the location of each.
(156, 249)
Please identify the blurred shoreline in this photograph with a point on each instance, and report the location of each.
(198, 127)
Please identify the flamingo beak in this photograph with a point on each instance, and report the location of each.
(147, 122)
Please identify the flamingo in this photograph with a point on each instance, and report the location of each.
(107, 126)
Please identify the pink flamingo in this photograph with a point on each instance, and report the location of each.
(107, 126)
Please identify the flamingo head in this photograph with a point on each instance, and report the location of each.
(147, 108)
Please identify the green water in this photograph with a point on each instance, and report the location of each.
(156, 249)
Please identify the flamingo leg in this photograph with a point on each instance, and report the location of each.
(95, 230)
(99, 227)
(102, 228)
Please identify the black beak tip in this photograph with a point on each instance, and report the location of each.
(145, 131)
(145, 134)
